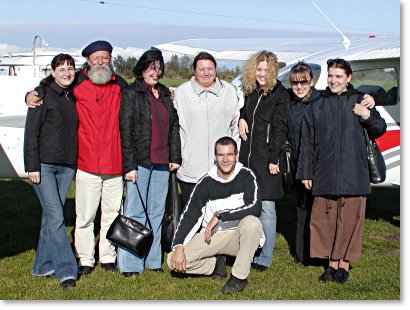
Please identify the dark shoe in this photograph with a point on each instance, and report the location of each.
(219, 272)
(130, 274)
(258, 267)
(234, 285)
(328, 275)
(85, 269)
(297, 261)
(157, 270)
(70, 283)
(341, 276)
(109, 267)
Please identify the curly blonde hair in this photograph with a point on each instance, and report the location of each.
(249, 72)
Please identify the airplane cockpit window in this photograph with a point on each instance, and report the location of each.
(284, 77)
(382, 84)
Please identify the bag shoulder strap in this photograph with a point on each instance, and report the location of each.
(145, 208)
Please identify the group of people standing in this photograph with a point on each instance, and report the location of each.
(93, 125)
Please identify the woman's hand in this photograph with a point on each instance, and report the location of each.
(243, 129)
(173, 166)
(34, 177)
(307, 183)
(274, 169)
(361, 110)
(131, 176)
(368, 101)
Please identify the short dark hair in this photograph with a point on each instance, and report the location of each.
(145, 61)
(203, 56)
(56, 62)
(226, 141)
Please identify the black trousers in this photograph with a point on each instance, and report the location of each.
(186, 190)
(304, 202)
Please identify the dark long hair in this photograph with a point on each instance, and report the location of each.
(149, 57)
(57, 61)
(341, 64)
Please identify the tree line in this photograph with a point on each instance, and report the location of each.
(175, 68)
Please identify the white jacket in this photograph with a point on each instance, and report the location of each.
(204, 117)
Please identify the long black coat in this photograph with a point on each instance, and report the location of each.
(267, 123)
(295, 116)
(333, 149)
(135, 127)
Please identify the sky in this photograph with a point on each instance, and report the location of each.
(72, 24)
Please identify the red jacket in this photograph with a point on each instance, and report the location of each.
(99, 144)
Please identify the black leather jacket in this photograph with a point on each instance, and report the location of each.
(135, 127)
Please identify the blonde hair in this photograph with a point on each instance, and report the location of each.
(249, 72)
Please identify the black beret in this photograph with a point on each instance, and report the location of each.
(95, 47)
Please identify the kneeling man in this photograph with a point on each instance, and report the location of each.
(225, 204)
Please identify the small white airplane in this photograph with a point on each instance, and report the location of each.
(19, 73)
(375, 60)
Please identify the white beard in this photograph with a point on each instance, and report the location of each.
(100, 77)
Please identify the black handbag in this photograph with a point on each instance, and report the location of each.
(130, 234)
(173, 211)
(286, 167)
(377, 166)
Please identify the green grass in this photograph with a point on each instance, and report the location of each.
(375, 277)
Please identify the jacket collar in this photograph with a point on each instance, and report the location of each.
(58, 89)
(350, 91)
(215, 89)
(313, 95)
(139, 87)
(213, 173)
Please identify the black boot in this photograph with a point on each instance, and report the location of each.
(234, 285)
(220, 268)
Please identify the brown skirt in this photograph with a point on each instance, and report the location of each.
(336, 227)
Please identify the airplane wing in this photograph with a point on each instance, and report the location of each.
(11, 146)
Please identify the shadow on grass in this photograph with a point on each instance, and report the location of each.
(20, 217)
(382, 204)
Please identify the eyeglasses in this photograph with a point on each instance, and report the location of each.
(99, 58)
(302, 83)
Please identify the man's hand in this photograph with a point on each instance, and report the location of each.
(32, 100)
(178, 260)
(208, 230)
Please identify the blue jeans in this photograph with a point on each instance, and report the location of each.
(268, 219)
(54, 254)
(152, 183)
